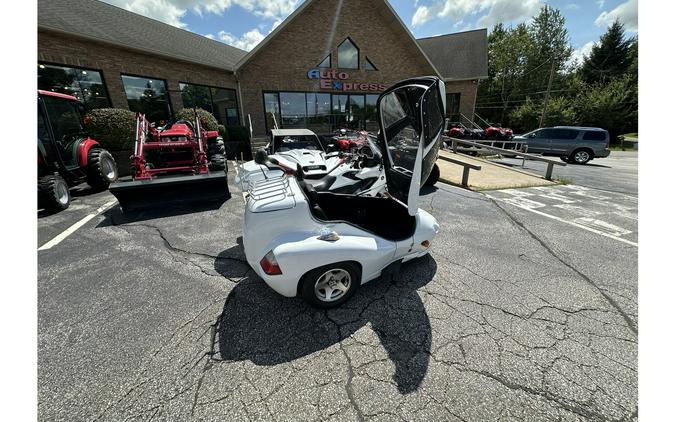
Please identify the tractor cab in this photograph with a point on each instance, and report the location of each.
(67, 156)
(60, 128)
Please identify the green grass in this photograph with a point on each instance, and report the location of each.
(564, 181)
(631, 135)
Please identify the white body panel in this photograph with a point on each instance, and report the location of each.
(292, 232)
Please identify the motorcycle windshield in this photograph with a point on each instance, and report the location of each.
(411, 118)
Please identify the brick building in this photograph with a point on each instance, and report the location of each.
(322, 68)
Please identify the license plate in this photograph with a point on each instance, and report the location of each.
(313, 167)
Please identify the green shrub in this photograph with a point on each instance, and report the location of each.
(223, 132)
(238, 144)
(238, 133)
(206, 119)
(113, 128)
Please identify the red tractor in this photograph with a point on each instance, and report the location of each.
(66, 155)
(175, 162)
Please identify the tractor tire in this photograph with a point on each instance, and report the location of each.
(101, 169)
(217, 162)
(433, 176)
(331, 285)
(53, 193)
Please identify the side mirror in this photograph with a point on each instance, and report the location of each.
(532, 135)
(261, 156)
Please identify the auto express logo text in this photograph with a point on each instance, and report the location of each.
(339, 81)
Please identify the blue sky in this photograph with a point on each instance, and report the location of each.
(243, 23)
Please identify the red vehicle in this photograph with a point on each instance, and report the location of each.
(349, 140)
(496, 131)
(67, 156)
(176, 161)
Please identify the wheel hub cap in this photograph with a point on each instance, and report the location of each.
(332, 285)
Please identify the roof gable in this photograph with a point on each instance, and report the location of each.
(331, 6)
(98, 21)
(458, 56)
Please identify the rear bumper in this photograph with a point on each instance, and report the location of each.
(603, 153)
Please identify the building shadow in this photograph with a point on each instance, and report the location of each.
(268, 329)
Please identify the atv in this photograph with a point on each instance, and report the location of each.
(67, 156)
(322, 245)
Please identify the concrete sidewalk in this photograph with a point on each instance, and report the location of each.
(491, 176)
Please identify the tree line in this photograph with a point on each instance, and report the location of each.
(532, 81)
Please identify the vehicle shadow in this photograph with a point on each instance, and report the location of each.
(268, 329)
(427, 190)
(114, 215)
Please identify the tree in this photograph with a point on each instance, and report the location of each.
(610, 58)
(550, 47)
(612, 107)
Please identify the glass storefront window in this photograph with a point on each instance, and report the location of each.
(293, 109)
(318, 112)
(272, 114)
(348, 55)
(148, 96)
(225, 106)
(196, 96)
(84, 84)
(369, 65)
(219, 101)
(370, 113)
(357, 105)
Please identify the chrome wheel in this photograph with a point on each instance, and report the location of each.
(62, 194)
(582, 156)
(108, 168)
(332, 285)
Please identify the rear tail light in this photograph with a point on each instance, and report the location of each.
(270, 265)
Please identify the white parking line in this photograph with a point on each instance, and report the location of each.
(562, 220)
(70, 230)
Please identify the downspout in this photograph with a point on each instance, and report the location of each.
(240, 103)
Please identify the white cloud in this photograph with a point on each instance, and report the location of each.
(579, 54)
(246, 42)
(210, 36)
(626, 13)
(172, 11)
(600, 3)
(167, 11)
(493, 11)
(421, 16)
(572, 6)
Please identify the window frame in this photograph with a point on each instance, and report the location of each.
(166, 84)
(369, 62)
(93, 69)
(236, 98)
(358, 55)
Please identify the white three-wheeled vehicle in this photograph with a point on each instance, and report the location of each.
(323, 245)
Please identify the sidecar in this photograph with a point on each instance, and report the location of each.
(324, 245)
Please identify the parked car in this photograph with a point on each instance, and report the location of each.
(572, 144)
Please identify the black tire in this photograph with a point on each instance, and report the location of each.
(433, 176)
(317, 297)
(53, 193)
(101, 169)
(217, 162)
(580, 156)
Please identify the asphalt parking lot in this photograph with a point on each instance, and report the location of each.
(526, 309)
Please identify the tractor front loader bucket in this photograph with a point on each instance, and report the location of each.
(171, 191)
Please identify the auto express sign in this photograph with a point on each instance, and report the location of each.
(340, 81)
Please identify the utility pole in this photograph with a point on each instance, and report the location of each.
(548, 94)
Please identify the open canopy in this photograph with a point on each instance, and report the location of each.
(411, 118)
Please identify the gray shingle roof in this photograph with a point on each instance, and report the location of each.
(103, 22)
(462, 55)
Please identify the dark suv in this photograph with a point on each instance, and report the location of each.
(572, 144)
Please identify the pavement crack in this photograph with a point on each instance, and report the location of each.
(549, 249)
